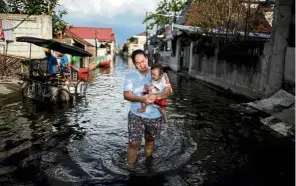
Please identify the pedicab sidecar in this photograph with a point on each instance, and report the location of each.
(63, 86)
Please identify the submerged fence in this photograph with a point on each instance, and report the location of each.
(10, 66)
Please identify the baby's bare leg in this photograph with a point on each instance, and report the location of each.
(143, 109)
(164, 115)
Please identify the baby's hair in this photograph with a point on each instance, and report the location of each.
(157, 66)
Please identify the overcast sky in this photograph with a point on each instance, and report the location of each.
(124, 16)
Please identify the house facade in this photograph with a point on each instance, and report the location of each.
(102, 38)
(74, 40)
(240, 66)
(136, 42)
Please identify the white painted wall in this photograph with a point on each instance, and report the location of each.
(35, 26)
(141, 40)
(100, 51)
(112, 48)
(91, 41)
(140, 45)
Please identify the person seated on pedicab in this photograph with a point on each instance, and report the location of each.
(64, 61)
(51, 61)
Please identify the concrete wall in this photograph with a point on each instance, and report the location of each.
(35, 26)
(281, 25)
(247, 80)
(289, 74)
(168, 59)
(253, 81)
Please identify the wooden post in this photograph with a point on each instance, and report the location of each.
(146, 48)
(247, 20)
(96, 36)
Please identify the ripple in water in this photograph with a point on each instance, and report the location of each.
(173, 149)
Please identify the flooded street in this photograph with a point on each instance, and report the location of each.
(205, 143)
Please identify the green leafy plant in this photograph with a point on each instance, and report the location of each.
(33, 7)
(58, 23)
(165, 7)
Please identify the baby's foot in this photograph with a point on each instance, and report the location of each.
(141, 110)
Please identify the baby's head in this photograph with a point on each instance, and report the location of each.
(156, 72)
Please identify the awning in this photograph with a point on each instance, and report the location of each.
(55, 45)
(190, 29)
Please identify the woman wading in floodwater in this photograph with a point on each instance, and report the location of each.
(149, 122)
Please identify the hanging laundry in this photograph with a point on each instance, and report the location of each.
(7, 29)
(1, 31)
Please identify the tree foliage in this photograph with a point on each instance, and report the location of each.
(165, 7)
(58, 24)
(33, 7)
(3, 8)
(230, 14)
(214, 13)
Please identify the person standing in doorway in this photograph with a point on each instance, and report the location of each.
(147, 123)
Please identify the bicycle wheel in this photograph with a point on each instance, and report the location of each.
(81, 88)
(61, 96)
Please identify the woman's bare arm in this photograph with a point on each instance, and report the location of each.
(166, 93)
(129, 96)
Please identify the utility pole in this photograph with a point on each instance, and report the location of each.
(146, 32)
(96, 42)
(247, 20)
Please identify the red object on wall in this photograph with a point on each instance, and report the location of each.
(1, 31)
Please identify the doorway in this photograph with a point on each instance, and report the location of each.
(185, 55)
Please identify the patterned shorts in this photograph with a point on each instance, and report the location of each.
(137, 126)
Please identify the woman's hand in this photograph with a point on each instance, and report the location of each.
(148, 99)
(167, 81)
(152, 98)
